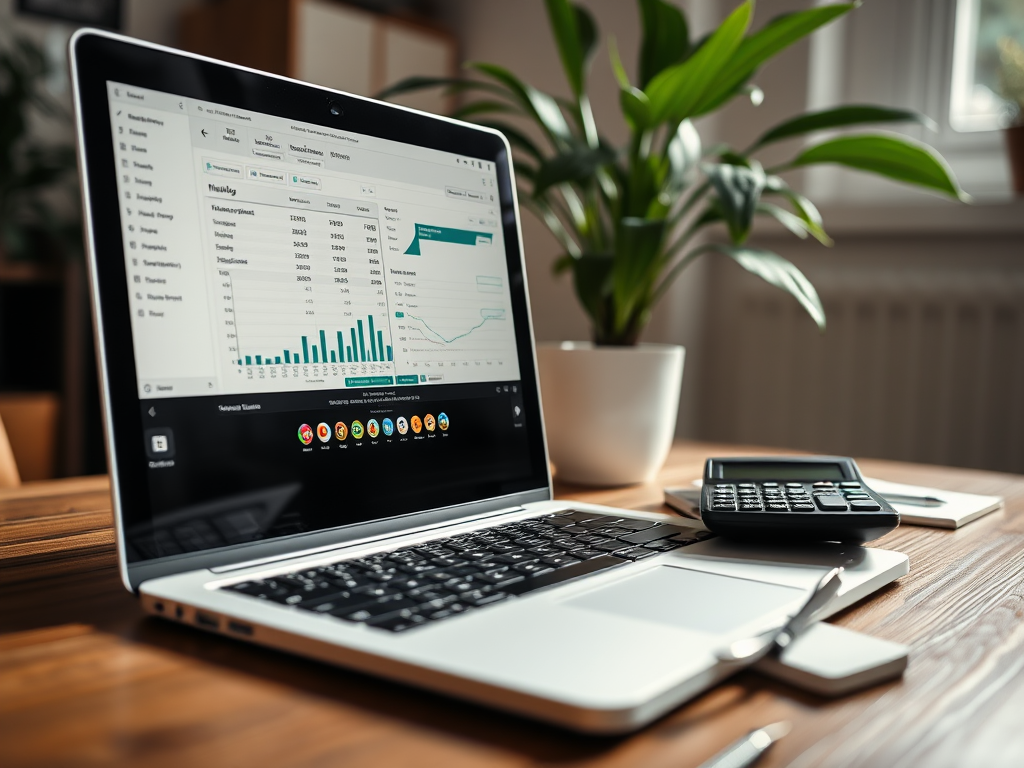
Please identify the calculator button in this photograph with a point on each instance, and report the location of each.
(794, 485)
(803, 507)
(849, 485)
(751, 507)
(747, 485)
(857, 496)
(777, 506)
(769, 485)
(831, 503)
(724, 508)
(823, 484)
(864, 506)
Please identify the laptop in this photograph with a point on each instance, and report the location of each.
(323, 423)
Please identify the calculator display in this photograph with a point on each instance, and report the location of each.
(782, 470)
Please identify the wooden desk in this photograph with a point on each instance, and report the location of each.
(85, 678)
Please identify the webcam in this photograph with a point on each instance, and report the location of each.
(335, 108)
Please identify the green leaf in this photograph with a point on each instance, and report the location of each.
(901, 159)
(541, 106)
(575, 35)
(675, 92)
(804, 208)
(553, 223)
(683, 156)
(779, 272)
(776, 35)
(790, 221)
(738, 189)
(666, 38)
(636, 107)
(839, 117)
(592, 281)
(637, 247)
(575, 165)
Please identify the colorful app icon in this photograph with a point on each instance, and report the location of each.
(341, 430)
(388, 426)
(372, 428)
(442, 420)
(323, 431)
(305, 434)
(417, 425)
(429, 422)
(357, 429)
(402, 424)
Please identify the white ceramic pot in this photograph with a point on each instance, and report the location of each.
(609, 412)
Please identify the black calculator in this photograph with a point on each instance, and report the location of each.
(805, 498)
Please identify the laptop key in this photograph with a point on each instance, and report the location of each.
(533, 569)
(378, 610)
(587, 554)
(546, 549)
(662, 546)
(559, 561)
(478, 597)
(500, 578)
(635, 553)
(576, 529)
(501, 549)
(609, 546)
(636, 525)
(513, 558)
(399, 623)
(376, 591)
(659, 531)
(416, 568)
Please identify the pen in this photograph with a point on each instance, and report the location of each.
(745, 751)
(917, 501)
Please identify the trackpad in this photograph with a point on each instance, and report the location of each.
(694, 600)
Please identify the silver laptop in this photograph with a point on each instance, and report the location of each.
(323, 421)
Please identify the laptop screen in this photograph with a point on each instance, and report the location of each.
(321, 323)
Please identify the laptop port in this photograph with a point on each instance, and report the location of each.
(239, 628)
(207, 621)
(158, 607)
(179, 612)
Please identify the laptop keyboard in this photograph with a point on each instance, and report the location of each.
(438, 579)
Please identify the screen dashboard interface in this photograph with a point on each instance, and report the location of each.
(321, 322)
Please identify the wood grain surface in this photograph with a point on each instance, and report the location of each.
(86, 679)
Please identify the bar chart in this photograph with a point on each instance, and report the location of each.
(361, 343)
(302, 297)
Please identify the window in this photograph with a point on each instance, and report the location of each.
(975, 101)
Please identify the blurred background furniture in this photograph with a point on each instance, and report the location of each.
(323, 42)
(923, 357)
(9, 477)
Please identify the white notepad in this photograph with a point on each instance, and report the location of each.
(958, 509)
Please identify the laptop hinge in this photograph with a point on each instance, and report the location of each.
(362, 542)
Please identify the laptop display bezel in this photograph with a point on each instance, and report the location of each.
(98, 57)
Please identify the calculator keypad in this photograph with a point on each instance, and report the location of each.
(795, 497)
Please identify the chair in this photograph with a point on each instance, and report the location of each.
(9, 477)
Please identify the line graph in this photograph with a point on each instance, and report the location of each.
(488, 314)
(457, 326)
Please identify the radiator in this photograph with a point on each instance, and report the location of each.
(915, 366)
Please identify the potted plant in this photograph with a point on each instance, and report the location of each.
(1011, 81)
(628, 217)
